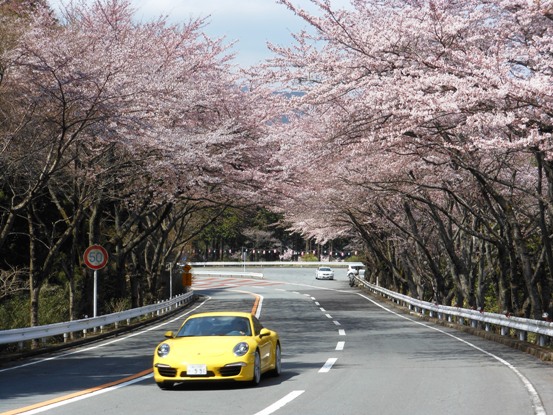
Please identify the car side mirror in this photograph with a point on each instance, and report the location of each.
(169, 334)
(264, 332)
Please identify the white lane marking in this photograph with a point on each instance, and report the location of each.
(340, 345)
(313, 298)
(341, 332)
(336, 323)
(259, 306)
(280, 403)
(88, 395)
(328, 316)
(86, 349)
(322, 309)
(328, 365)
(317, 303)
(537, 404)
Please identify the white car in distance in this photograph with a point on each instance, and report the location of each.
(324, 273)
(356, 269)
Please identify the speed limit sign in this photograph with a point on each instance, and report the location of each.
(95, 257)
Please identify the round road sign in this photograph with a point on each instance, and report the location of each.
(95, 257)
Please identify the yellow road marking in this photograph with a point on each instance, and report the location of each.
(77, 394)
(256, 302)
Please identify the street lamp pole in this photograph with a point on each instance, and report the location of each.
(170, 265)
(243, 259)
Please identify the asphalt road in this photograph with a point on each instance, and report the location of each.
(342, 353)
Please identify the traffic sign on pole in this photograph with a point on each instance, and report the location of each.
(95, 257)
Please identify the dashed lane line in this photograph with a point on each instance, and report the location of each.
(328, 365)
(280, 403)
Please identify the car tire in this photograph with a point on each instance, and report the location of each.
(165, 385)
(256, 378)
(278, 361)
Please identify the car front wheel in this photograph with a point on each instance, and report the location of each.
(256, 369)
(278, 364)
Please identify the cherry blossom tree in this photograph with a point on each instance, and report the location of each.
(406, 104)
(118, 126)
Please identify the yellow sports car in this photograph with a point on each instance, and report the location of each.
(217, 346)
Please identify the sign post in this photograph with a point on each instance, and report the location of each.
(95, 258)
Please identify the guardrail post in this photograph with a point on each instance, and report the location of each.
(542, 340)
(65, 336)
(84, 332)
(522, 335)
(504, 331)
(487, 327)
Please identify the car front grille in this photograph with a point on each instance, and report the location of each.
(230, 371)
(168, 372)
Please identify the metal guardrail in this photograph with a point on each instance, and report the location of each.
(475, 318)
(254, 275)
(66, 328)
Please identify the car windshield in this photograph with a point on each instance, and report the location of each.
(324, 269)
(215, 326)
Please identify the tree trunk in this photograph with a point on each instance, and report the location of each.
(34, 278)
(536, 307)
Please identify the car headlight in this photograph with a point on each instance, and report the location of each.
(163, 350)
(241, 349)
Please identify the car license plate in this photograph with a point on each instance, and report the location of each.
(192, 370)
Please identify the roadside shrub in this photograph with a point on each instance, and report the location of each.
(14, 312)
(309, 258)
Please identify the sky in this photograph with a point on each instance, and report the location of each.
(251, 23)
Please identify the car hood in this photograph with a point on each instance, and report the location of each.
(204, 346)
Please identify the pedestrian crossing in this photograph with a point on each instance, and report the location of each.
(209, 283)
